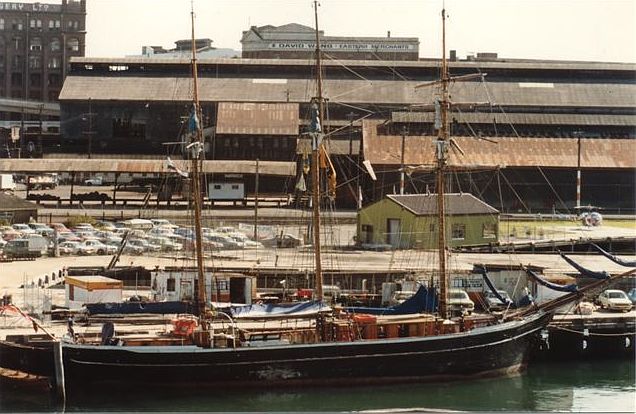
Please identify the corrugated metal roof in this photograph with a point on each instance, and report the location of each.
(168, 89)
(520, 118)
(503, 152)
(429, 63)
(257, 118)
(456, 204)
(10, 202)
(280, 168)
(29, 106)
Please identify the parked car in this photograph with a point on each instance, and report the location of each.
(145, 245)
(166, 244)
(23, 248)
(614, 299)
(97, 247)
(106, 225)
(84, 226)
(69, 247)
(632, 296)
(459, 302)
(60, 227)
(223, 241)
(285, 240)
(42, 229)
(97, 180)
(493, 303)
(23, 228)
(133, 250)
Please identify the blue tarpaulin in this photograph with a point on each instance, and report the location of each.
(120, 308)
(292, 310)
(424, 300)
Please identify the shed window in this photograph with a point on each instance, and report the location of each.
(459, 232)
(171, 285)
(489, 231)
(235, 187)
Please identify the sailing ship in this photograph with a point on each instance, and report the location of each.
(332, 349)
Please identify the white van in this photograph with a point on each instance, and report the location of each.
(138, 224)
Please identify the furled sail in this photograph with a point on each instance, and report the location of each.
(554, 286)
(484, 274)
(615, 259)
(585, 272)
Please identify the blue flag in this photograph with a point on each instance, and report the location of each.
(193, 121)
(315, 119)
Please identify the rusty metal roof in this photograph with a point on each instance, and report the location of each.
(169, 89)
(24, 165)
(456, 204)
(520, 118)
(503, 152)
(257, 118)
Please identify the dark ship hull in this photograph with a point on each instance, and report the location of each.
(491, 351)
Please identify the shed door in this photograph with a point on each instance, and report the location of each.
(393, 232)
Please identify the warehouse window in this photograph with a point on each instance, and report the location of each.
(55, 44)
(35, 44)
(73, 45)
(171, 284)
(459, 232)
(1, 24)
(35, 62)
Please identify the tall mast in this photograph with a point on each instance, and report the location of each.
(196, 148)
(441, 155)
(316, 133)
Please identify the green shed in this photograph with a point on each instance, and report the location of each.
(410, 221)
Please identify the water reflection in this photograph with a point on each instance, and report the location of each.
(598, 386)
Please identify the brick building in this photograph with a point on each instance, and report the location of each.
(37, 41)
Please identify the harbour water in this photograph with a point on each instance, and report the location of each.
(563, 386)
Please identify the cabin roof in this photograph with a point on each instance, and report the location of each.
(456, 204)
(10, 202)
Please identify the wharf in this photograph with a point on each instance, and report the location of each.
(603, 334)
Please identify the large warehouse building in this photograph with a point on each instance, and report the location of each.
(520, 127)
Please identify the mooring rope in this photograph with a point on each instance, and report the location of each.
(590, 333)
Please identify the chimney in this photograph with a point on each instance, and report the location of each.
(388, 33)
(453, 55)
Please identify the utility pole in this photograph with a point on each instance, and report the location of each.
(402, 162)
(578, 170)
(256, 203)
(89, 133)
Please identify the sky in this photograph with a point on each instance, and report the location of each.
(587, 30)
